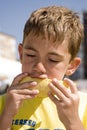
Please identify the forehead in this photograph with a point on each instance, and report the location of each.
(44, 44)
(31, 38)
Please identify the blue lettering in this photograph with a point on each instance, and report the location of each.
(13, 122)
(29, 122)
(24, 122)
(17, 122)
(33, 124)
(21, 122)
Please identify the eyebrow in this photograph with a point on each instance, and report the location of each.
(50, 53)
(30, 48)
(56, 54)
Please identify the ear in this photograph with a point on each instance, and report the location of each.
(20, 50)
(73, 65)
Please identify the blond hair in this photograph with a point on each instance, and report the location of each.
(57, 23)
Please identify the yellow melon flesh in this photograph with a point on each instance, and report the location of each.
(42, 85)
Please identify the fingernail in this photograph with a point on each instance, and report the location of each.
(55, 80)
(25, 73)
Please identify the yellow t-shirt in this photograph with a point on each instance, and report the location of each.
(41, 114)
(83, 108)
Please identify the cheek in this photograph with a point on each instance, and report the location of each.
(57, 72)
(26, 66)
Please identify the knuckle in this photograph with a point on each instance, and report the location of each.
(69, 103)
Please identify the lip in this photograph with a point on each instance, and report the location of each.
(39, 76)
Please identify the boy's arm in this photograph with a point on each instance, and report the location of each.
(76, 126)
(67, 103)
(15, 95)
(5, 122)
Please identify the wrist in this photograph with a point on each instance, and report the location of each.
(76, 126)
(6, 121)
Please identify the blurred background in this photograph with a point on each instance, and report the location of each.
(13, 15)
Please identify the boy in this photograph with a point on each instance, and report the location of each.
(52, 36)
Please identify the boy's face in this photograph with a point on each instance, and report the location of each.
(42, 59)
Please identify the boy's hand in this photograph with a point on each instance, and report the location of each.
(18, 92)
(67, 101)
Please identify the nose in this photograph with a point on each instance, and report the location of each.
(40, 67)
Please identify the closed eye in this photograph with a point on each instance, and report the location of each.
(30, 55)
(55, 61)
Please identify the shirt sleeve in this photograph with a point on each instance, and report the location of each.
(2, 102)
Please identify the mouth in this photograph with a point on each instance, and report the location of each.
(43, 76)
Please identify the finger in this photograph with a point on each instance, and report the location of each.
(53, 98)
(57, 92)
(21, 86)
(61, 87)
(19, 77)
(26, 92)
(72, 85)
